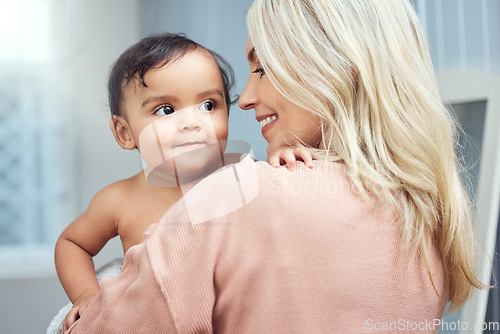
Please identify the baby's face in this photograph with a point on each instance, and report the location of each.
(179, 122)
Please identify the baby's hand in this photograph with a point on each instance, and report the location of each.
(79, 307)
(289, 155)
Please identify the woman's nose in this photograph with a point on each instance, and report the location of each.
(248, 98)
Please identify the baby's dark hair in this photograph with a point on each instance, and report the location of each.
(154, 52)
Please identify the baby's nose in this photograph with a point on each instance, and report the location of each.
(190, 126)
(190, 121)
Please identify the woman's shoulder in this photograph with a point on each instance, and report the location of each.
(320, 166)
(322, 174)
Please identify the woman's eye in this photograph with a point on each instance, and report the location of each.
(259, 70)
(207, 106)
(164, 110)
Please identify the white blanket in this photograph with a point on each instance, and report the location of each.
(109, 269)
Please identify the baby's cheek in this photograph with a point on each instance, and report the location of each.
(219, 128)
(222, 134)
(149, 147)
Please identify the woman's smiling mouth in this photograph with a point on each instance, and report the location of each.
(267, 122)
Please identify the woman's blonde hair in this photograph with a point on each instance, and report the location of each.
(364, 67)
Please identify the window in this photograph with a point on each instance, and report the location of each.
(474, 98)
(31, 137)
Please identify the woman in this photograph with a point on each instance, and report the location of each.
(376, 237)
(363, 69)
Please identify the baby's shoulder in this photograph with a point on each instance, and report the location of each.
(116, 193)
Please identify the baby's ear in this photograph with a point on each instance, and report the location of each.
(121, 131)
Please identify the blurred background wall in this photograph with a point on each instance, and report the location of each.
(56, 149)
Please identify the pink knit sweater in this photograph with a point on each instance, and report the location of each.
(305, 255)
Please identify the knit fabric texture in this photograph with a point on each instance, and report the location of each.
(305, 253)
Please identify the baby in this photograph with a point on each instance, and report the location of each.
(169, 98)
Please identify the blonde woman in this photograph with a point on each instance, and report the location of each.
(376, 237)
(363, 69)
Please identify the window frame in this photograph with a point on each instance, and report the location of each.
(470, 86)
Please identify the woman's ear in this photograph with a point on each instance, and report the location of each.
(121, 131)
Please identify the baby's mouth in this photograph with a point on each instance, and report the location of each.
(192, 144)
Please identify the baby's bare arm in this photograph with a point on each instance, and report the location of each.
(76, 246)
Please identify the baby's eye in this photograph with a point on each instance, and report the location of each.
(207, 106)
(164, 110)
